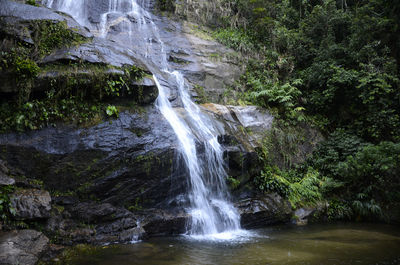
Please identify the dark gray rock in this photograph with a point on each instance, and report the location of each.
(91, 212)
(305, 215)
(31, 204)
(263, 211)
(65, 200)
(147, 90)
(21, 247)
(5, 180)
(161, 223)
(98, 51)
(301, 215)
(15, 17)
(93, 223)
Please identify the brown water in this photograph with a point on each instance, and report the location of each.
(313, 244)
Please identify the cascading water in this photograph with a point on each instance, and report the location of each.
(213, 216)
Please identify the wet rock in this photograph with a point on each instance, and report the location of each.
(31, 204)
(161, 223)
(263, 211)
(22, 247)
(247, 124)
(209, 66)
(126, 162)
(15, 17)
(147, 90)
(304, 215)
(65, 200)
(52, 252)
(5, 180)
(4, 175)
(98, 51)
(91, 212)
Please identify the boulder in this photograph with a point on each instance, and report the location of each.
(5, 180)
(263, 211)
(304, 215)
(247, 124)
(159, 222)
(301, 215)
(21, 247)
(31, 204)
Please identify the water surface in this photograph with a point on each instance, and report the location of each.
(313, 244)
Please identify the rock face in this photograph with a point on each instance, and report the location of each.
(81, 65)
(31, 204)
(247, 123)
(208, 66)
(21, 247)
(123, 179)
(161, 223)
(16, 16)
(126, 162)
(263, 211)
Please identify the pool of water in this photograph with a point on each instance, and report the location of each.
(313, 244)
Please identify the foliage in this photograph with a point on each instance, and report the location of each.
(31, 2)
(365, 175)
(37, 114)
(233, 182)
(50, 35)
(371, 177)
(339, 210)
(166, 5)
(334, 151)
(300, 188)
(111, 110)
(6, 210)
(335, 63)
(235, 39)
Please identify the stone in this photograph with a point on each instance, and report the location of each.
(98, 51)
(316, 213)
(248, 124)
(161, 223)
(31, 204)
(91, 212)
(5, 180)
(65, 200)
(301, 215)
(263, 210)
(15, 17)
(22, 247)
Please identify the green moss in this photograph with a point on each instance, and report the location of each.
(31, 2)
(50, 36)
(201, 94)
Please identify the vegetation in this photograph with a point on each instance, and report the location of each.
(6, 210)
(78, 94)
(334, 64)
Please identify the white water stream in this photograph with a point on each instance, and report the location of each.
(213, 215)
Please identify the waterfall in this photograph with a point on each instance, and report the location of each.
(212, 213)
